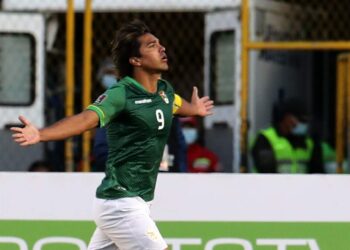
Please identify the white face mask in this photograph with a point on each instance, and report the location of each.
(300, 129)
(108, 81)
(190, 135)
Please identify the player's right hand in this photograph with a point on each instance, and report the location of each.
(27, 135)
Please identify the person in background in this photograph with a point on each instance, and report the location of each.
(99, 150)
(107, 74)
(286, 147)
(175, 152)
(107, 77)
(199, 158)
(40, 166)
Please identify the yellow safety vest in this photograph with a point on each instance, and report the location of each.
(289, 159)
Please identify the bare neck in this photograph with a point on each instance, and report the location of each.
(147, 80)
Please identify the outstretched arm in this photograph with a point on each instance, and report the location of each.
(62, 129)
(198, 106)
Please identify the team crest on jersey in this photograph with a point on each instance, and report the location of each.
(164, 97)
(101, 98)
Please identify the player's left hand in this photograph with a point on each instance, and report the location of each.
(203, 105)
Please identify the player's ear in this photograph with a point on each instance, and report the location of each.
(135, 61)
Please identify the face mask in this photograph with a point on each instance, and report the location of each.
(108, 81)
(300, 129)
(190, 135)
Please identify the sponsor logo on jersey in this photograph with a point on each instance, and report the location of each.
(143, 101)
(164, 97)
(101, 98)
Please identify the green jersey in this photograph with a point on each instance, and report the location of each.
(138, 124)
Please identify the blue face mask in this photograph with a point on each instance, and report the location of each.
(108, 81)
(300, 129)
(190, 135)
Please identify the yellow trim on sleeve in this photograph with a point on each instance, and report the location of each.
(177, 103)
(99, 112)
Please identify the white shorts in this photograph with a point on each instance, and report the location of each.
(125, 224)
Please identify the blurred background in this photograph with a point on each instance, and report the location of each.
(250, 57)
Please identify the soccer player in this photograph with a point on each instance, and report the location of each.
(137, 113)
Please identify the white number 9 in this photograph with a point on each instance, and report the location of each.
(160, 118)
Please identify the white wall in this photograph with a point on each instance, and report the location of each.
(184, 197)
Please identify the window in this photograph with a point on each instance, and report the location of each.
(222, 72)
(17, 69)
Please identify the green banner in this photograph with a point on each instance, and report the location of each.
(75, 235)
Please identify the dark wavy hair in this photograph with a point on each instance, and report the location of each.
(126, 45)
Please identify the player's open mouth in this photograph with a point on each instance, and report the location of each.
(164, 58)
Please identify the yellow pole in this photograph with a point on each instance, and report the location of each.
(301, 45)
(69, 163)
(347, 103)
(340, 112)
(245, 84)
(87, 79)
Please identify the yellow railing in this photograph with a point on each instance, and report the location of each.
(87, 80)
(69, 162)
(70, 81)
(343, 108)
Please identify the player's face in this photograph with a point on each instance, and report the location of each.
(153, 57)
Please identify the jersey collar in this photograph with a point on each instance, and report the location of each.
(139, 85)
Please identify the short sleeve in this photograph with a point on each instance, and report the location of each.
(177, 103)
(109, 104)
